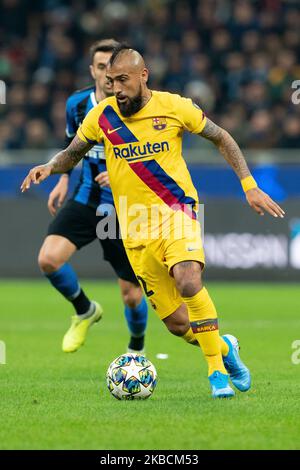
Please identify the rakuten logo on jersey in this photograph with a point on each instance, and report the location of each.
(133, 151)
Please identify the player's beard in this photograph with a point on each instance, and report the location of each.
(132, 106)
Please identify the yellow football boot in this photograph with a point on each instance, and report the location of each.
(76, 334)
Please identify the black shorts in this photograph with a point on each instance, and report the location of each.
(77, 223)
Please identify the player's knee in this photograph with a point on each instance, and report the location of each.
(48, 263)
(132, 296)
(188, 287)
(187, 277)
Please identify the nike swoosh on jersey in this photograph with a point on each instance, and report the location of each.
(109, 119)
(110, 131)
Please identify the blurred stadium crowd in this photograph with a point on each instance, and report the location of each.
(237, 59)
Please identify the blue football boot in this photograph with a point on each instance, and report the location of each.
(220, 385)
(238, 372)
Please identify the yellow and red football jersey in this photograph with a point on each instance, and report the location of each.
(144, 159)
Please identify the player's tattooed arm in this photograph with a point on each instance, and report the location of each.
(227, 147)
(67, 159)
(230, 150)
(61, 163)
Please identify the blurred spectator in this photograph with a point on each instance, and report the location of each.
(16, 120)
(256, 96)
(37, 135)
(284, 72)
(38, 101)
(261, 132)
(236, 74)
(6, 136)
(237, 59)
(291, 133)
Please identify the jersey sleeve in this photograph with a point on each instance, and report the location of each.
(90, 131)
(191, 115)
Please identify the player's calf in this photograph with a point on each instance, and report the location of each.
(136, 314)
(54, 254)
(178, 323)
(203, 323)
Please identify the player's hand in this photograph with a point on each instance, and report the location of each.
(103, 179)
(58, 194)
(261, 202)
(36, 176)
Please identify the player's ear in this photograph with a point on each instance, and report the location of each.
(145, 75)
(92, 72)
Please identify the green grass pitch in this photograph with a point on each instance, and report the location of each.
(50, 400)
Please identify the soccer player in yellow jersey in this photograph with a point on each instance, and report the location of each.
(157, 203)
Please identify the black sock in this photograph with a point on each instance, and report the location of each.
(81, 303)
(136, 344)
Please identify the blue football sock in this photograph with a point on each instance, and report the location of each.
(137, 318)
(66, 282)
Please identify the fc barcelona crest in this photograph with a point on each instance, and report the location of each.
(159, 123)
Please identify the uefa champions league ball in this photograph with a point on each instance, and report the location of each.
(130, 377)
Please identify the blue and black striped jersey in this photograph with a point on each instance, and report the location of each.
(87, 191)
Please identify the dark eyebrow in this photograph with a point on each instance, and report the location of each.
(118, 76)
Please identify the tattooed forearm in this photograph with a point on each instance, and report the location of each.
(227, 147)
(66, 159)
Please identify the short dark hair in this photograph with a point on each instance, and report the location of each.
(120, 47)
(104, 45)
